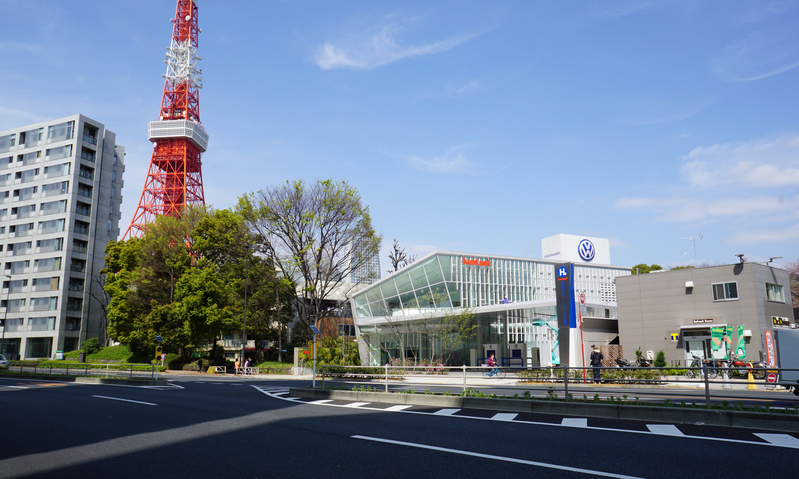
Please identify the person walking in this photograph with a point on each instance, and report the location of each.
(596, 362)
(200, 366)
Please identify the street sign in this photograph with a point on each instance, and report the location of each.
(581, 295)
(771, 378)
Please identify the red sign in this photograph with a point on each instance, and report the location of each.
(772, 361)
(771, 378)
(476, 262)
(582, 298)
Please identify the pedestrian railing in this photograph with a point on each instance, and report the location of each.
(567, 378)
(109, 370)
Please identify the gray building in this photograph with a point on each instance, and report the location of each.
(60, 192)
(675, 310)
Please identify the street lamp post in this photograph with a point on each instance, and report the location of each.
(5, 317)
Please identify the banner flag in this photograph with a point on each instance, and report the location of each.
(740, 351)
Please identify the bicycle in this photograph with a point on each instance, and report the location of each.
(495, 372)
(698, 365)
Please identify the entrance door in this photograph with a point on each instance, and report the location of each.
(694, 346)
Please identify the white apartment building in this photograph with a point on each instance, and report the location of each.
(60, 193)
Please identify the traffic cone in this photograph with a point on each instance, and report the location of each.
(751, 380)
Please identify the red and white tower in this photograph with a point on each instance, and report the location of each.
(174, 180)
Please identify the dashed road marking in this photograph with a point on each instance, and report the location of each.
(397, 407)
(664, 429)
(779, 439)
(504, 416)
(575, 421)
(446, 412)
(321, 401)
(356, 404)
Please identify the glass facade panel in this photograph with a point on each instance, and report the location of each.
(378, 308)
(418, 277)
(433, 270)
(403, 282)
(441, 296)
(408, 300)
(388, 289)
(373, 295)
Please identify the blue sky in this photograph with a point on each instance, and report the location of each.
(467, 126)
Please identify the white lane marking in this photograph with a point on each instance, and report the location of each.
(665, 429)
(397, 407)
(320, 401)
(126, 400)
(446, 412)
(356, 404)
(401, 408)
(779, 439)
(279, 393)
(16, 387)
(504, 416)
(575, 421)
(497, 458)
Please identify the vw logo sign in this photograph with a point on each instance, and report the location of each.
(586, 250)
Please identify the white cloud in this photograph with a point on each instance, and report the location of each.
(453, 161)
(755, 164)
(762, 54)
(375, 49)
(761, 235)
(687, 210)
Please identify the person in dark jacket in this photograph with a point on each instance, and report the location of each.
(596, 362)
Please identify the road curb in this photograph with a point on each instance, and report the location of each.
(85, 380)
(711, 417)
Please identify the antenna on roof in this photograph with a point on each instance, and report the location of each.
(694, 238)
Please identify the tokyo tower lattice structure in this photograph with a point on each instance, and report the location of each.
(174, 179)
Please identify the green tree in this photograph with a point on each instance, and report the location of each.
(644, 268)
(660, 359)
(793, 273)
(317, 235)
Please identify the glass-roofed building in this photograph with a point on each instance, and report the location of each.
(512, 300)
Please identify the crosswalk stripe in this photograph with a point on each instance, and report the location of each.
(779, 439)
(575, 421)
(320, 401)
(397, 407)
(504, 416)
(356, 404)
(665, 429)
(446, 412)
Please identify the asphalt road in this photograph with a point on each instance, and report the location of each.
(243, 427)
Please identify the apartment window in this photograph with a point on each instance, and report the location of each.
(77, 265)
(74, 304)
(14, 325)
(17, 267)
(26, 193)
(4, 196)
(27, 175)
(29, 158)
(89, 134)
(113, 191)
(13, 305)
(73, 324)
(725, 291)
(774, 293)
(23, 211)
(5, 179)
(87, 173)
(31, 138)
(45, 284)
(81, 227)
(6, 142)
(57, 170)
(59, 152)
(87, 155)
(113, 175)
(85, 191)
(20, 230)
(75, 284)
(41, 324)
(49, 245)
(83, 209)
(4, 162)
(60, 132)
(53, 207)
(44, 304)
(20, 248)
(4, 212)
(51, 226)
(16, 286)
(79, 246)
(46, 264)
(60, 188)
